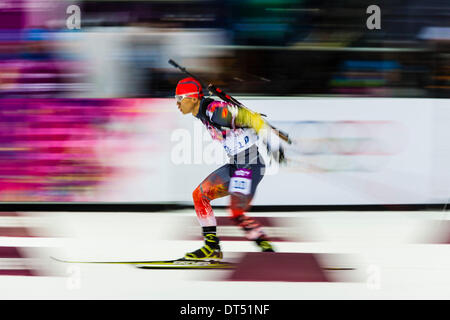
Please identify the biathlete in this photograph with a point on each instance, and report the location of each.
(238, 129)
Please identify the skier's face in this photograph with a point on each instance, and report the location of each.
(187, 105)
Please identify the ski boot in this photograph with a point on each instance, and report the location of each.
(210, 251)
(254, 232)
(265, 245)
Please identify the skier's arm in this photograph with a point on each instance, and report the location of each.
(248, 118)
(228, 115)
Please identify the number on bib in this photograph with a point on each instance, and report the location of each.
(241, 182)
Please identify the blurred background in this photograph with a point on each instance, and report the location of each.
(87, 110)
(265, 47)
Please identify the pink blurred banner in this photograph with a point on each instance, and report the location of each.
(69, 149)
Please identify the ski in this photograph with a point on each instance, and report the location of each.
(164, 264)
(186, 264)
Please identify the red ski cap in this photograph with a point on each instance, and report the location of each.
(189, 87)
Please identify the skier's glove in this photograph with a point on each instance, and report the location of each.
(273, 145)
(276, 153)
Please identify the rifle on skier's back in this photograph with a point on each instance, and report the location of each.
(227, 98)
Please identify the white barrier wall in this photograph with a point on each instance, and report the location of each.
(440, 180)
(345, 151)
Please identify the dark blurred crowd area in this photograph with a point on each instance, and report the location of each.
(248, 47)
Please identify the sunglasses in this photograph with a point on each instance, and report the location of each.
(180, 97)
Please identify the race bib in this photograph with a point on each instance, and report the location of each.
(239, 140)
(241, 181)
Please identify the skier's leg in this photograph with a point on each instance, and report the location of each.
(213, 187)
(240, 203)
